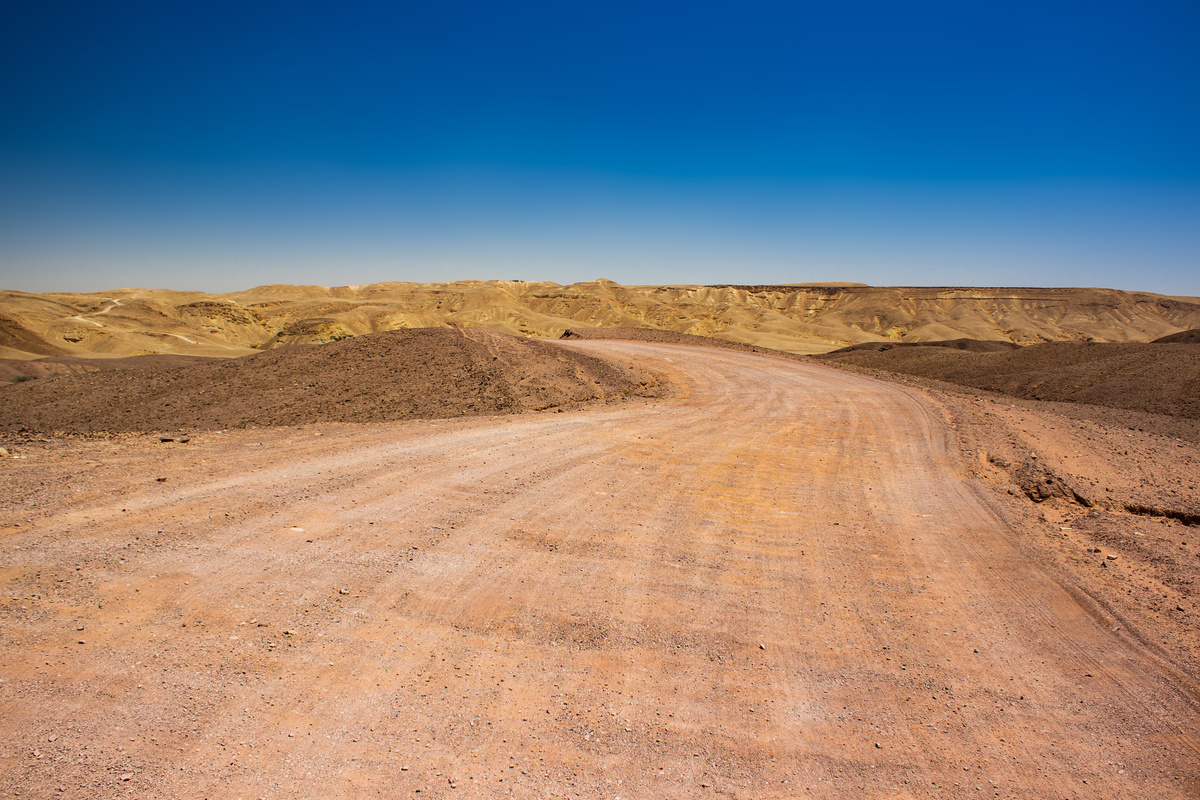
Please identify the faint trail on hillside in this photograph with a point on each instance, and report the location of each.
(83, 318)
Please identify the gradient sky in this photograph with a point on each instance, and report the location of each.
(218, 146)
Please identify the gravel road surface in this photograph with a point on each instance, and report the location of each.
(778, 581)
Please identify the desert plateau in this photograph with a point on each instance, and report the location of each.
(508, 539)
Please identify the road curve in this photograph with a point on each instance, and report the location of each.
(776, 582)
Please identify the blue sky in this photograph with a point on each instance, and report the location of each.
(219, 146)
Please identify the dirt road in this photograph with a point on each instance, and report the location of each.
(777, 582)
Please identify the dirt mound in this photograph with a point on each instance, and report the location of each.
(14, 370)
(1183, 337)
(1155, 378)
(423, 373)
(970, 345)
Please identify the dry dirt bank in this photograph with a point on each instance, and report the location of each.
(781, 581)
(428, 373)
(1162, 378)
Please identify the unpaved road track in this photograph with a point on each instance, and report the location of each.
(777, 582)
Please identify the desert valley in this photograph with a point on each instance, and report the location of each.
(508, 539)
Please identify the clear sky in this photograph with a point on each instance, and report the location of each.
(219, 146)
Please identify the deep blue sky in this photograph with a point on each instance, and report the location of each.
(219, 146)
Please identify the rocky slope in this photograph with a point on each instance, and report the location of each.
(798, 319)
(420, 374)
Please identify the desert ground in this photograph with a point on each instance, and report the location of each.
(802, 318)
(656, 570)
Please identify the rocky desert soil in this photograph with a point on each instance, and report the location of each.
(1160, 377)
(780, 580)
(382, 377)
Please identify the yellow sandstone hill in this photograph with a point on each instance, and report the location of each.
(799, 318)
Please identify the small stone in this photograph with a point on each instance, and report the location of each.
(128, 776)
(343, 591)
(1111, 557)
(762, 647)
(161, 480)
(878, 746)
(81, 641)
